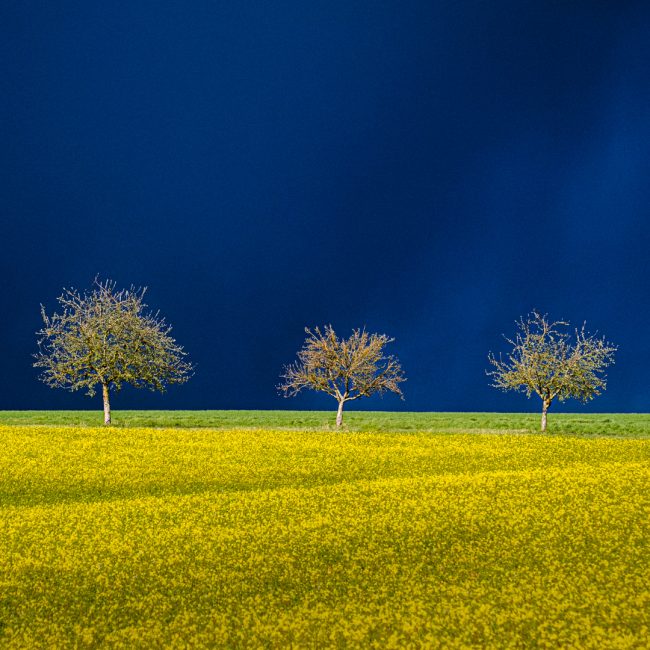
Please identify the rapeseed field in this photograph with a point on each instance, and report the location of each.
(190, 538)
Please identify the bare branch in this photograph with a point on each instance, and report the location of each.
(346, 369)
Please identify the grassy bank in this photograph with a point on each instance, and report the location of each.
(595, 424)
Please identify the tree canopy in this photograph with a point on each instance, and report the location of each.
(545, 359)
(105, 337)
(346, 369)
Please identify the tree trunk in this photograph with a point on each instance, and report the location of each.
(545, 404)
(107, 405)
(339, 415)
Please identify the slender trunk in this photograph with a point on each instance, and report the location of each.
(545, 404)
(339, 414)
(107, 405)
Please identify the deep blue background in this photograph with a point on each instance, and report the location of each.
(431, 170)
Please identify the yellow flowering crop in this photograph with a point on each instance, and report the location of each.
(150, 538)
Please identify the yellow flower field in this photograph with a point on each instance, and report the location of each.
(146, 538)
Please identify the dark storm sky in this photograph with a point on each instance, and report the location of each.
(431, 170)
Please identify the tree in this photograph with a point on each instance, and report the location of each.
(346, 369)
(105, 338)
(546, 361)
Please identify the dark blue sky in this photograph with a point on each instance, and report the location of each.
(431, 170)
